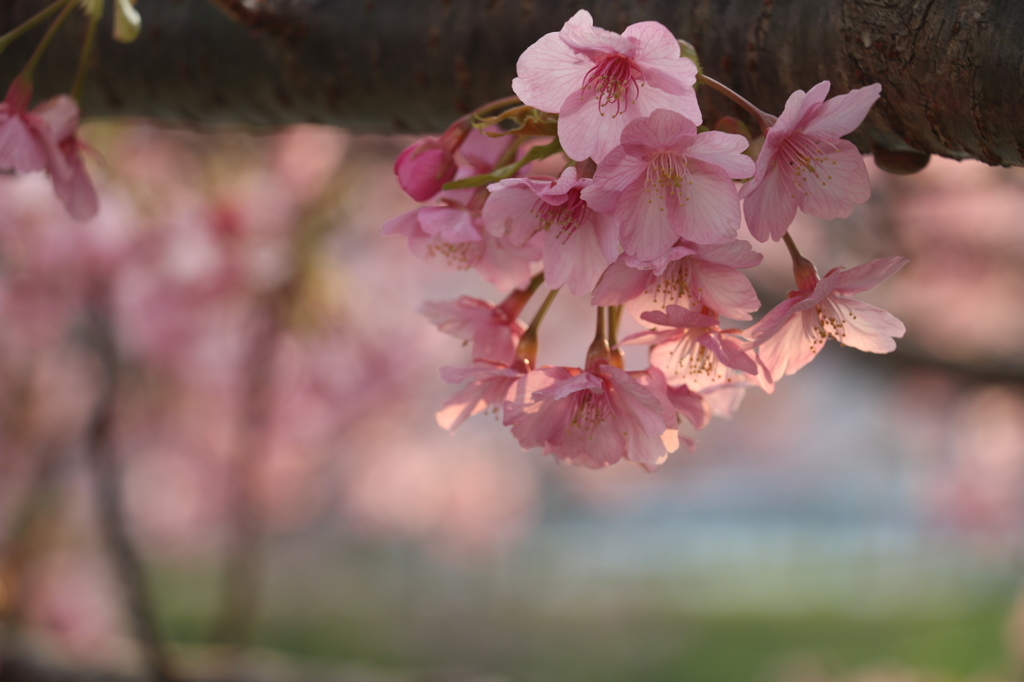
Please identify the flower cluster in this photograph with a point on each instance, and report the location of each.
(645, 214)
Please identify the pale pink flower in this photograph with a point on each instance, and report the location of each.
(493, 330)
(597, 81)
(487, 385)
(792, 333)
(452, 235)
(593, 417)
(667, 181)
(803, 163)
(26, 141)
(578, 243)
(688, 275)
(695, 351)
(67, 170)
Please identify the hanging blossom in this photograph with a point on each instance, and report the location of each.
(597, 81)
(803, 163)
(667, 181)
(578, 243)
(696, 352)
(494, 330)
(487, 384)
(688, 275)
(793, 332)
(594, 416)
(46, 139)
(640, 178)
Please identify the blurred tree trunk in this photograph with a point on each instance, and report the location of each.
(952, 70)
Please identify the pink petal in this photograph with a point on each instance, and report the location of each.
(76, 192)
(672, 75)
(789, 348)
(646, 228)
(655, 41)
(506, 266)
(579, 261)
(60, 113)
(710, 205)
(663, 130)
(453, 225)
(867, 275)
(630, 398)
(619, 284)
(508, 211)
(725, 151)
(770, 206)
(800, 108)
(549, 71)
(677, 316)
(841, 115)
(774, 320)
(580, 34)
(535, 419)
(691, 405)
(725, 290)
(21, 147)
(651, 99)
(840, 182)
(868, 328)
(615, 174)
(735, 254)
(585, 130)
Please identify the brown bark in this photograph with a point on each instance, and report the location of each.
(952, 70)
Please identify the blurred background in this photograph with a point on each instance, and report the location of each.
(235, 334)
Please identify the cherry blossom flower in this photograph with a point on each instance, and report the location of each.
(597, 81)
(667, 181)
(792, 333)
(578, 243)
(688, 275)
(803, 163)
(696, 352)
(487, 385)
(494, 330)
(70, 180)
(26, 141)
(593, 417)
(452, 235)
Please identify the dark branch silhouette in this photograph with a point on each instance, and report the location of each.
(952, 71)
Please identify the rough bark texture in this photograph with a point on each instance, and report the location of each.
(952, 70)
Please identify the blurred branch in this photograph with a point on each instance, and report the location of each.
(244, 560)
(24, 540)
(102, 458)
(952, 70)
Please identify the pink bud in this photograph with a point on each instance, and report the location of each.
(424, 167)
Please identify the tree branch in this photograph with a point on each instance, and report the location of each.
(952, 71)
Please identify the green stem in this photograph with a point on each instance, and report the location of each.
(83, 60)
(763, 119)
(18, 31)
(503, 103)
(26, 72)
(542, 311)
(614, 315)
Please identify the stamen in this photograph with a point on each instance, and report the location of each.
(614, 81)
(566, 217)
(807, 160)
(668, 175)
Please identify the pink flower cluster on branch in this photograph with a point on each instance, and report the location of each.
(644, 215)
